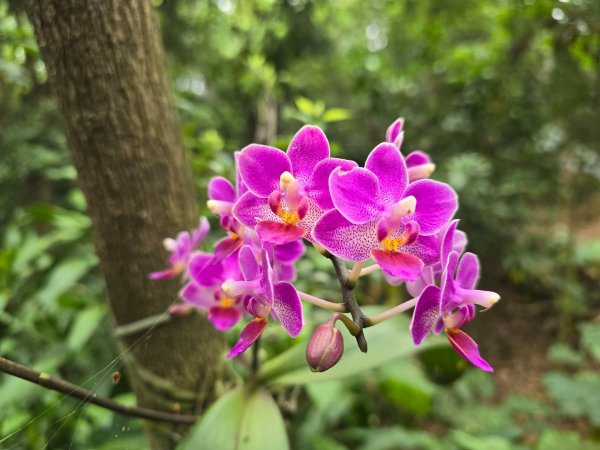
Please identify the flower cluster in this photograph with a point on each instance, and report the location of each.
(388, 211)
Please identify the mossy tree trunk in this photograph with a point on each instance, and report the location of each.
(105, 62)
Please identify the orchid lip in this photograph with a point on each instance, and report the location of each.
(170, 244)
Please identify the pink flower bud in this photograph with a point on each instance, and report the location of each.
(181, 310)
(325, 348)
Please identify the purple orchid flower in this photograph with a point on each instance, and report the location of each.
(418, 163)
(222, 197)
(379, 215)
(204, 291)
(288, 193)
(263, 297)
(181, 249)
(452, 305)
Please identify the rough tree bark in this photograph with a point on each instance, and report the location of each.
(105, 61)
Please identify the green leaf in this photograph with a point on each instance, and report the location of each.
(84, 326)
(240, 420)
(305, 106)
(590, 338)
(466, 441)
(65, 275)
(564, 440)
(388, 341)
(577, 396)
(561, 353)
(336, 115)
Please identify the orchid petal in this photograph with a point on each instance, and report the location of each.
(261, 167)
(447, 285)
(355, 194)
(308, 147)
(426, 314)
(251, 209)
(226, 246)
(248, 264)
(163, 274)
(393, 131)
(279, 233)
(248, 336)
(266, 281)
(289, 252)
(199, 296)
(417, 158)
(386, 162)
(468, 271)
(287, 307)
(416, 287)
(436, 204)
(345, 239)
(401, 265)
(224, 318)
(221, 189)
(318, 188)
(447, 241)
(426, 248)
(466, 347)
(205, 270)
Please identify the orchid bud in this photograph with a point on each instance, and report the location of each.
(325, 348)
(181, 310)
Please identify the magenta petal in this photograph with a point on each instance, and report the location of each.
(261, 167)
(426, 248)
(308, 147)
(226, 246)
(220, 188)
(287, 307)
(284, 272)
(355, 194)
(318, 188)
(251, 209)
(386, 162)
(162, 275)
(393, 131)
(417, 158)
(279, 233)
(436, 204)
(401, 265)
(447, 242)
(205, 270)
(466, 347)
(248, 336)
(426, 314)
(199, 296)
(267, 276)
(289, 252)
(224, 318)
(468, 271)
(240, 187)
(449, 298)
(345, 239)
(248, 264)
(415, 288)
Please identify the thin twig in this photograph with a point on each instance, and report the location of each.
(73, 390)
(321, 303)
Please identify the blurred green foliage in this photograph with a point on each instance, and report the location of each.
(503, 95)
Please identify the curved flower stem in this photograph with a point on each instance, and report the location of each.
(354, 274)
(348, 323)
(350, 300)
(325, 304)
(378, 318)
(369, 269)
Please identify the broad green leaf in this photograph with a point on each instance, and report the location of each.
(590, 338)
(466, 441)
(336, 115)
(84, 326)
(65, 275)
(392, 438)
(388, 341)
(561, 353)
(239, 420)
(564, 440)
(577, 396)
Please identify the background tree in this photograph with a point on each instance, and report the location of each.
(105, 61)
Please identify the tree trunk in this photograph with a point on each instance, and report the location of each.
(105, 61)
